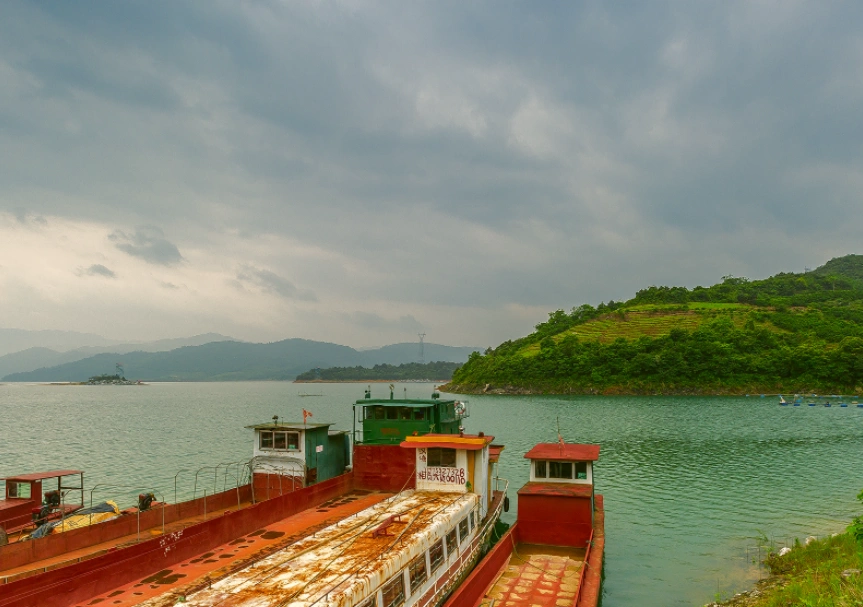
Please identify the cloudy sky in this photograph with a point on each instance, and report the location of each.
(360, 172)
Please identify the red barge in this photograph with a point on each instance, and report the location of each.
(420, 510)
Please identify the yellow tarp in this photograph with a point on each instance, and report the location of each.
(77, 521)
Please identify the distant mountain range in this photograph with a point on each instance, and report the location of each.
(229, 361)
(42, 349)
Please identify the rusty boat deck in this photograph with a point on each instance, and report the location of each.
(97, 549)
(338, 564)
(203, 570)
(546, 576)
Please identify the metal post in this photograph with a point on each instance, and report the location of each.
(205, 504)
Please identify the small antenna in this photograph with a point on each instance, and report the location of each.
(559, 436)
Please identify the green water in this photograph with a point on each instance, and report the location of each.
(687, 481)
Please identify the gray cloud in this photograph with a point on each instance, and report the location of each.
(271, 282)
(147, 243)
(370, 320)
(27, 218)
(455, 156)
(98, 269)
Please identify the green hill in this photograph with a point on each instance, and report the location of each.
(786, 333)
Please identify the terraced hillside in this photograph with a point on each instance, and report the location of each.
(787, 333)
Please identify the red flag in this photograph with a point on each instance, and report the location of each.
(305, 415)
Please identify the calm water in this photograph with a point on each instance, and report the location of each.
(688, 482)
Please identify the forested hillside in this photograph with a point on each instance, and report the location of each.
(403, 372)
(786, 333)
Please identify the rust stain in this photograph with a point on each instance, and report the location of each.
(341, 561)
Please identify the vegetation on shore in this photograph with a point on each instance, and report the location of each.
(785, 334)
(826, 573)
(407, 371)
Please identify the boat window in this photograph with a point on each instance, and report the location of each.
(369, 412)
(417, 572)
(539, 469)
(559, 469)
(419, 414)
(436, 555)
(462, 529)
(451, 543)
(18, 490)
(372, 601)
(266, 440)
(581, 470)
(393, 592)
(282, 441)
(470, 522)
(441, 458)
(380, 413)
(405, 413)
(392, 412)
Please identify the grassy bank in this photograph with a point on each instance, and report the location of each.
(822, 573)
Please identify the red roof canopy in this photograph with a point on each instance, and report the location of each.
(567, 451)
(38, 476)
(494, 453)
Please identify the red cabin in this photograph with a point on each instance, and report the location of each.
(23, 504)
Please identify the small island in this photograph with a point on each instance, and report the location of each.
(110, 380)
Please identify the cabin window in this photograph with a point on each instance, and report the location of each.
(539, 469)
(19, 490)
(369, 412)
(372, 601)
(451, 543)
(441, 458)
(280, 441)
(559, 469)
(417, 572)
(470, 522)
(380, 413)
(462, 529)
(392, 412)
(419, 414)
(581, 470)
(405, 413)
(393, 592)
(436, 555)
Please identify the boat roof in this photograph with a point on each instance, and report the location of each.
(471, 442)
(287, 426)
(567, 452)
(403, 402)
(494, 453)
(38, 476)
(340, 564)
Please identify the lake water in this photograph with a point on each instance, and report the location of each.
(688, 481)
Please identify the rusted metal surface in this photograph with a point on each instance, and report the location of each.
(345, 562)
(538, 575)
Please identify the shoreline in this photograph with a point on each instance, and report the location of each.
(511, 390)
(369, 381)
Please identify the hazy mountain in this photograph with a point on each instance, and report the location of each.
(38, 357)
(397, 354)
(231, 360)
(15, 340)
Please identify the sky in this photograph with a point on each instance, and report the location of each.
(361, 172)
